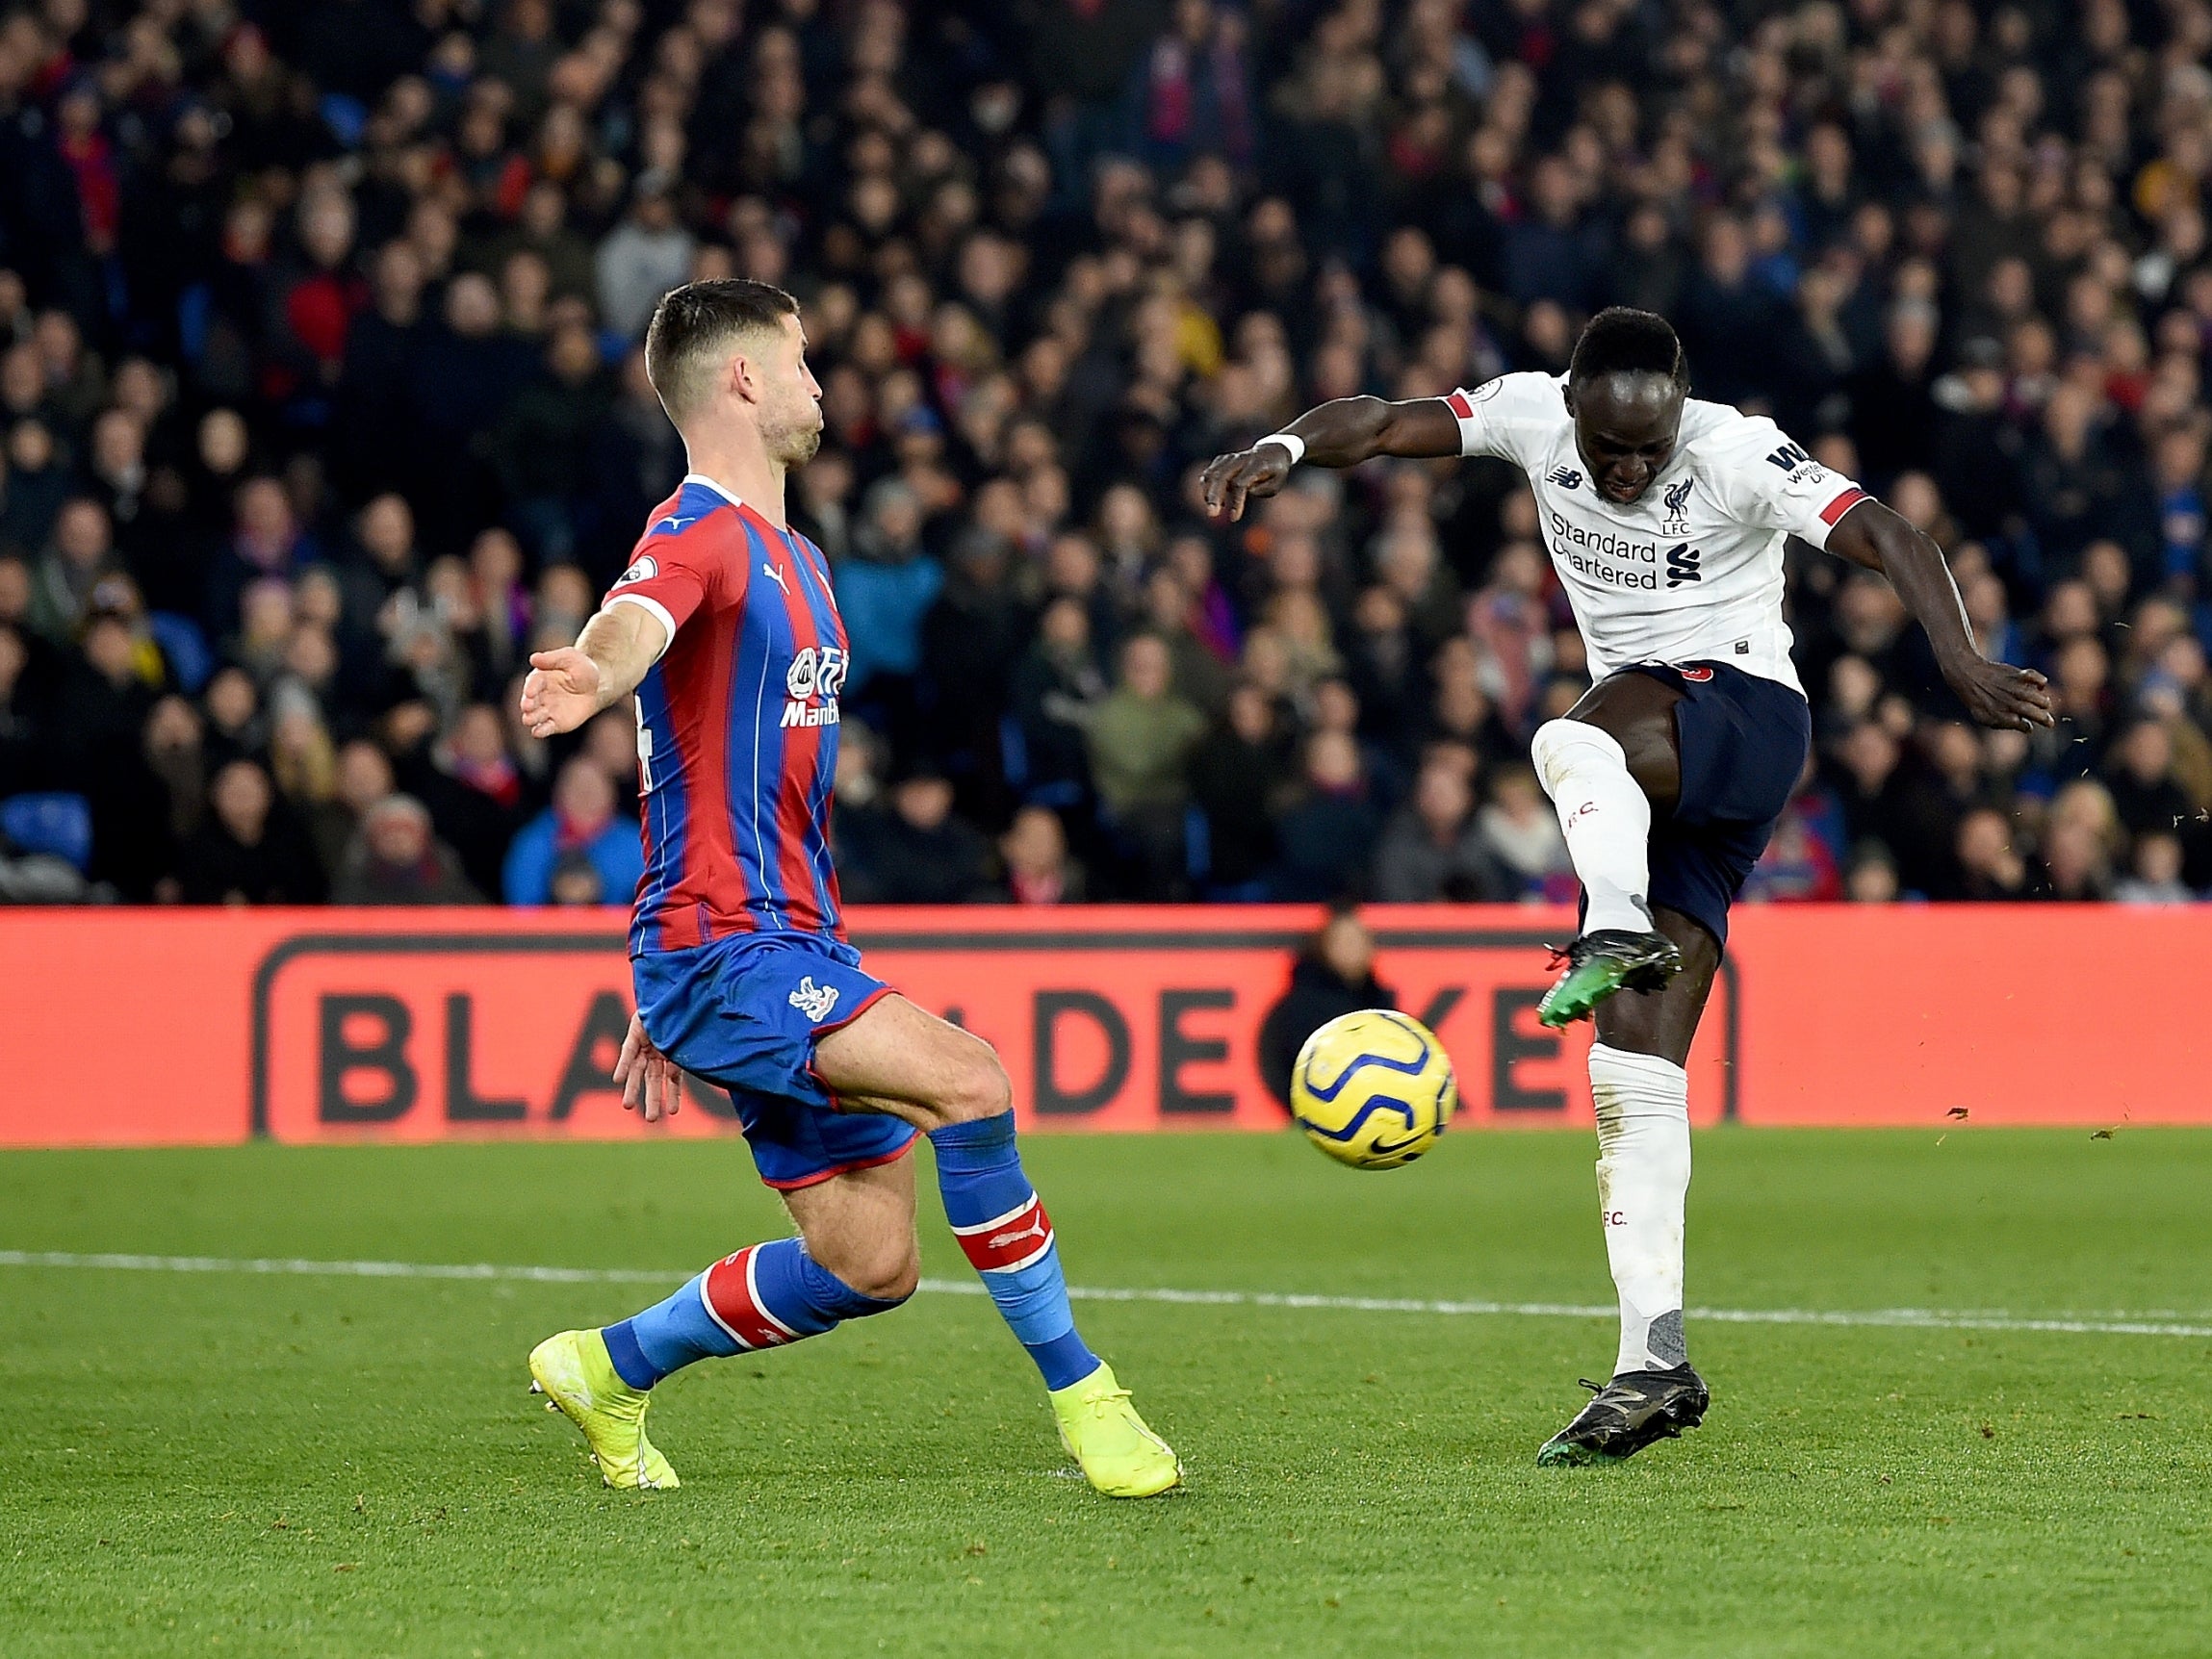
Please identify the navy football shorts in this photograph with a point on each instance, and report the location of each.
(745, 1013)
(1744, 742)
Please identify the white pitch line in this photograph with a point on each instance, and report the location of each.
(1897, 1318)
(294, 1264)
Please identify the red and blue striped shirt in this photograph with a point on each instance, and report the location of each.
(737, 724)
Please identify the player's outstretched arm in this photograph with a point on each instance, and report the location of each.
(1342, 433)
(1995, 693)
(570, 685)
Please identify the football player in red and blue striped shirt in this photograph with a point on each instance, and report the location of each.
(726, 627)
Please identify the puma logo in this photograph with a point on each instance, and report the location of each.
(1035, 1230)
(775, 574)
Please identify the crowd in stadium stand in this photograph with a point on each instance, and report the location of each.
(322, 404)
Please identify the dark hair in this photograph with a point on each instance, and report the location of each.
(694, 319)
(1621, 339)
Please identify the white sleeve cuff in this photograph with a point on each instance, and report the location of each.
(655, 609)
(1471, 437)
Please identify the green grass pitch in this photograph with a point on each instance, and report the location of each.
(231, 1464)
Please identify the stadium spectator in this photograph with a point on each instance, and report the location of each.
(581, 819)
(321, 343)
(362, 778)
(1038, 869)
(1989, 863)
(23, 757)
(918, 853)
(246, 850)
(1140, 738)
(1239, 775)
(1871, 875)
(1519, 827)
(575, 882)
(2156, 876)
(1433, 847)
(394, 859)
(1332, 976)
(1326, 836)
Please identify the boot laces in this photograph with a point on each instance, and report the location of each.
(1107, 1402)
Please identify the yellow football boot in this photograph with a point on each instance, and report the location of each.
(1101, 1430)
(575, 1375)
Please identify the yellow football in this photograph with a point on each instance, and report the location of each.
(1373, 1089)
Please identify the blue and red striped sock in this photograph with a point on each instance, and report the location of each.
(763, 1296)
(995, 1215)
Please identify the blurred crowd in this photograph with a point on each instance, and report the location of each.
(322, 405)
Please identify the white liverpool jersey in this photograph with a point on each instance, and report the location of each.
(1692, 569)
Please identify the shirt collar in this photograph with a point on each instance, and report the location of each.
(707, 483)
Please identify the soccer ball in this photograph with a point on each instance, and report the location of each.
(1373, 1089)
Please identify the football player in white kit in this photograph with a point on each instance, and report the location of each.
(1665, 518)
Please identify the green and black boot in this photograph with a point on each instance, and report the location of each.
(1627, 1415)
(1599, 964)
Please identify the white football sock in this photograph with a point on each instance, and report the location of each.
(1605, 817)
(1643, 1178)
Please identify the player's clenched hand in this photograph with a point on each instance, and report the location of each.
(561, 691)
(1230, 481)
(1999, 695)
(651, 1083)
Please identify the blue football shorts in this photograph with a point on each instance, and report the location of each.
(745, 1013)
(1742, 740)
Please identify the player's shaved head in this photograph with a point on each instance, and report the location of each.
(1624, 389)
(695, 327)
(1621, 339)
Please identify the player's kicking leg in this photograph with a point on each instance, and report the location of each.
(1607, 766)
(948, 1083)
(1641, 1092)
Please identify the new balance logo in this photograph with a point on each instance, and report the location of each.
(1789, 457)
(1681, 565)
(1566, 477)
(815, 1001)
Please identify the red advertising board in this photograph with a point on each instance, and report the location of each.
(122, 1027)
